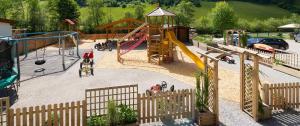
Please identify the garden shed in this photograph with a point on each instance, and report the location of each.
(5, 27)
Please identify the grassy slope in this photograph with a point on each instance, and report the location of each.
(246, 10)
(243, 10)
(117, 12)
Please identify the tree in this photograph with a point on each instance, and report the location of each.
(128, 15)
(139, 12)
(223, 17)
(184, 13)
(95, 12)
(4, 8)
(67, 9)
(35, 20)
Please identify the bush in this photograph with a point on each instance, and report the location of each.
(127, 115)
(97, 121)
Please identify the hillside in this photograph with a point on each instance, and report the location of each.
(244, 10)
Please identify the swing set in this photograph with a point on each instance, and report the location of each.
(39, 42)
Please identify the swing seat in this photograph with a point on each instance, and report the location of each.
(40, 62)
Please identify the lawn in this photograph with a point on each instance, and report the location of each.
(246, 10)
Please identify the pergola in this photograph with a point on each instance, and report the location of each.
(229, 36)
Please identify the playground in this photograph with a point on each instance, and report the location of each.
(234, 84)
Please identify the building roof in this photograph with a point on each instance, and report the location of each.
(69, 21)
(290, 26)
(160, 12)
(7, 21)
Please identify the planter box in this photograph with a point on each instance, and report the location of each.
(267, 113)
(131, 124)
(205, 118)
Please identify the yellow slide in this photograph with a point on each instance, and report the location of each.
(171, 36)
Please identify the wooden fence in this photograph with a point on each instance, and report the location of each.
(68, 114)
(282, 95)
(249, 84)
(166, 105)
(211, 69)
(291, 60)
(97, 99)
(4, 106)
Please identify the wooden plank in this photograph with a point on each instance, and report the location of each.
(37, 115)
(266, 94)
(138, 107)
(84, 116)
(148, 108)
(297, 94)
(55, 115)
(43, 114)
(24, 115)
(67, 119)
(144, 107)
(30, 116)
(18, 117)
(61, 114)
(73, 113)
(49, 115)
(78, 112)
(242, 80)
(11, 119)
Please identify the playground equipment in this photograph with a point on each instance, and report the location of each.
(60, 41)
(160, 36)
(159, 88)
(86, 66)
(9, 64)
(102, 46)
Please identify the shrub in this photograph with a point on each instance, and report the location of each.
(202, 92)
(112, 114)
(127, 114)
(97, 121)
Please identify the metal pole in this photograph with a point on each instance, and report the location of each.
(63, 55)
(77, 51)
(59, 45)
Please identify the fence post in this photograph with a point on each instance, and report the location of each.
(266, 93)
(216, 91)
(84, 112)
(139, 107)
(242, 79)
(255, 85)
(192, 103)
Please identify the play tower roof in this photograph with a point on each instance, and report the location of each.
(160, 12)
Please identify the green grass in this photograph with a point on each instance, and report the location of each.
(204, 38)
(246, 10)
(116, 12)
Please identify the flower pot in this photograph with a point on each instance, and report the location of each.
(267, 114)
(205, 118)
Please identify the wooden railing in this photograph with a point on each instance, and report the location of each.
(166, 105)
(291, 60)
(68, 114)
(282, 95)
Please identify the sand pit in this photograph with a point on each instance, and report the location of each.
(182, 69)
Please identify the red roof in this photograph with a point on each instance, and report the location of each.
(69, 21)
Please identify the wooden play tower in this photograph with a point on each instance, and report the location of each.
(158, 48)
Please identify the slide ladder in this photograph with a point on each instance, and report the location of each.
(171, 37)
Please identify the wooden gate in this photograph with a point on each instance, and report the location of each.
(4, 106)
(166, 105)
(249, 84)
